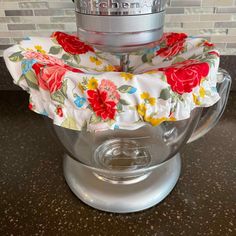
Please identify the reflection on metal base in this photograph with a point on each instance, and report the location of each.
(121, 198)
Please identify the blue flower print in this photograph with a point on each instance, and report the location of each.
(132, 90)
(26, 38)
(116, 126)
(44, 113)
(79, 101)
(27, 65)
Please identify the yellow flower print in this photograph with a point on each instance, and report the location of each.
(148, 99)
(147, 118)
(126, 76)
(109, 68)
(39, 49)
(145, 95)
(155, 121)
(158, 121)
(202, 92)
(95, 60)
(92, 83)
(142, 109)
(196, 100)
(150, 72)
(171, 119)
(152, 101)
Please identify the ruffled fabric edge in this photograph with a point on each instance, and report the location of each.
(204, 95)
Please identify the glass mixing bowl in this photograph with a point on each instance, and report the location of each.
(126, 157)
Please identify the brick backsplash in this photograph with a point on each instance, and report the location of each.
(213, 19)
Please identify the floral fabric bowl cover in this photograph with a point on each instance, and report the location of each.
(82, 88)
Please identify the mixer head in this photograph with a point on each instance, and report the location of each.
(120, 26)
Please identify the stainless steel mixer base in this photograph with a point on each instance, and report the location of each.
(121, 198)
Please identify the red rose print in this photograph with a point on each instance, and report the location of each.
(208, 44)
(37, 68)
(72, 69)
(71, 43)
(101, 105)
(174, 44)
(111, 89)
(214, 53)
(30, 106)
(171, 51)
(50, 77)
(184, 76)
(59, 111)
(173, 38)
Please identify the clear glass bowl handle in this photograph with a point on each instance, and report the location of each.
(210, 116)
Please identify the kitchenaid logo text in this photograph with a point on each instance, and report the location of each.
(116, 4)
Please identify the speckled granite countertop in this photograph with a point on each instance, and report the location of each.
(35, 200)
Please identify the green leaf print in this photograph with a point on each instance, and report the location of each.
(111, 122)
(64, 88)
(31, 80)
(178, 60)
(163, 77)
(144, 58)
(127, 89)
(165, 94)
(54, 40)
(95, 119)
(124, 102)
(77, 59)
(65, 57)
(22, 77)
(69, 123)
(58, 96)
(119, 107)
(72, 64)
(147, 58)
(55, 50)
(163, 45)
(194, 56)
(16, 57)
(130, 69)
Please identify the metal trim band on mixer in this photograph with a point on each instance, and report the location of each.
(120, 42)
(120, 26)
(106, 24)
(119, 7)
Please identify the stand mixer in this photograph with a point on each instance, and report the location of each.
(120, 26)
(119, 170)
(122, 132)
